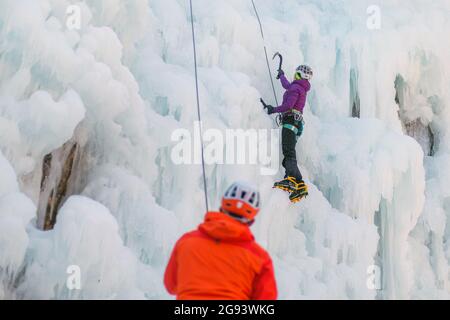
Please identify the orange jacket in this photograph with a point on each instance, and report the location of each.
(222, 261)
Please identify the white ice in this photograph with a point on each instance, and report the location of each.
(121, 83)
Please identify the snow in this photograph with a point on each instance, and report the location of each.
(124, 81)
(16, 211)
(85, 236)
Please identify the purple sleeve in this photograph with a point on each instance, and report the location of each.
(289, 99)
(284, 82)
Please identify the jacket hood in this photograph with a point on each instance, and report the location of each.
(303, 83)
(219, 226)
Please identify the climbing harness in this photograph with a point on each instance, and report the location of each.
(296, 128)
(298, 116)
(279, 120)
(291, 127)
(293, 120)
(205, 188)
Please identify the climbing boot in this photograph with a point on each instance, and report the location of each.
(299, 193)
(288, 184)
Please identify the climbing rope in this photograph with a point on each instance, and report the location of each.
(205, 188)
(265, 51)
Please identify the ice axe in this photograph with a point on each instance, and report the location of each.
(265, 105)
(281, 62)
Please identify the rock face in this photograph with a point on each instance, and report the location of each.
(422, 134)
(414, 126)
(355, 103)
(57, 171)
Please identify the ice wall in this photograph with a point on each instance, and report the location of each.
(122, 83)
(16, 210)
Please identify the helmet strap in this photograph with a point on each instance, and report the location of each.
(237, 217)
(297, 76)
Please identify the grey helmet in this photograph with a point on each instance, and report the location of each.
(305, 72)
(243, 200)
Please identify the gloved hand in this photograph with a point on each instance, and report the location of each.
(270, 109)
(280, 73)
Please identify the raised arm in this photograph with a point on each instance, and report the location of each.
(284, 81)
(290, 99)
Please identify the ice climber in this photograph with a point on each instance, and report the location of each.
(221, 260)
(291, 111)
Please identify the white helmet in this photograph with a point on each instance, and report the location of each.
(242, 199)
(305, 72)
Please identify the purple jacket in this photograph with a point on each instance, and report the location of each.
(295, 95)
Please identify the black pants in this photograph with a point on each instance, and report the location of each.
(288, 142)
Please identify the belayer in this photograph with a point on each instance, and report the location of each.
(221, 260)
(291, 111)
